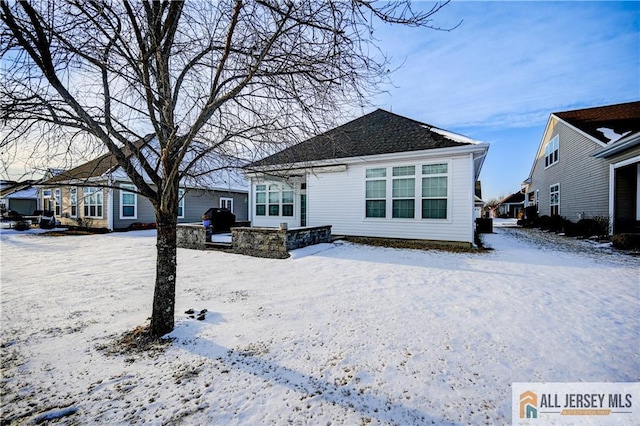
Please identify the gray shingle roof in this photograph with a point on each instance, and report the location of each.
(379, 132)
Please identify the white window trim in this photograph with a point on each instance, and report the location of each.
(86, 194)
(449, 216)
(57, 208)
(418, 192)
(386, 197)
(73, 203)
(228, 199)
(414, 176)
(181, 203)
(128, 189)
(558, 192)
(282, 187)
(556, 138)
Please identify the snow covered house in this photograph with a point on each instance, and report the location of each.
(19, 197)
(381, 175)
(99, 194)
(587, 159)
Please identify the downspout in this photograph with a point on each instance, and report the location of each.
(110, 204)
(612, 197)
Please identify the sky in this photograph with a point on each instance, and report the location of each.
(506, 67)
(499, 75)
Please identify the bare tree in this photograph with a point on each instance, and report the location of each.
(236, 76)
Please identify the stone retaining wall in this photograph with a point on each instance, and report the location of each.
(275, 243)
(191, 236)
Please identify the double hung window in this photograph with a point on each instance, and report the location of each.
(404, 192)
(93, 202)
(554, 199)
(128, 202)
(551, 151)
(73, 200)
(274, 199)
(435, 181)
(376, 192)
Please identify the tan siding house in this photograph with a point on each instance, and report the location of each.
(98, 194)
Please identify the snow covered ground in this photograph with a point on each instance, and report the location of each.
(337, 334)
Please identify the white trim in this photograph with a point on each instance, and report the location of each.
(612, 189)
(71, 204)
(57, 196)
(586, 135)
(550, 205)
(224, 199)
(626, 162)
(612, 195)
(411, 157)
(181, 203)
(87, 206)
(418, 176)
(550, 163)
(126, 189)
(638, 192)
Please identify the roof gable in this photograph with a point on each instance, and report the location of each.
(208, 171)
(379, 132)
(603, 123)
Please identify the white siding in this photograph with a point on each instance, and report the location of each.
(338, 199)
(275, 221)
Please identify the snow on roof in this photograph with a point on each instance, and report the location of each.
(24, 193)
(453, 136)
(611, 134)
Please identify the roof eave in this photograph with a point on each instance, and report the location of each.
(618, 146)
(479, 148)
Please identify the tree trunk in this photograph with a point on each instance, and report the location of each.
(166, 267)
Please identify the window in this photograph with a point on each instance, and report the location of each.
(92, 202)
(274, 200)
(434, 191)
(128, 202)
(554, 199)
(58, 206)
(403, 190)
(73, 200)
(551, 151)
(376, 192)
(226, 203)
(261, 200)
(287, 201)
(181, 203)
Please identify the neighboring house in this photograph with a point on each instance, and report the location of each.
(381, 175)
(568, 176)
(99, 194)
(623, 157)
(510, 206)
(20, 197)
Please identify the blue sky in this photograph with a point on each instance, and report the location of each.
(498, 76)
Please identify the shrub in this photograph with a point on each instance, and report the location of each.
(543, 222)
(626, 241)
(22, 225)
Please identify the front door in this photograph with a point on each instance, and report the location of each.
(303, 209)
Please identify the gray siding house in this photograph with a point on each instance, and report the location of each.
(98, 194)
(567, 178)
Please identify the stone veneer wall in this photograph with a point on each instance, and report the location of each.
(275, 243)
(191, 236)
